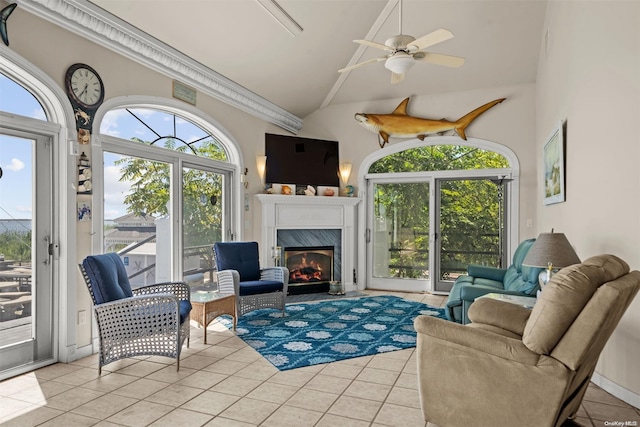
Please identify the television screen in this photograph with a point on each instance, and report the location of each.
(301, 161)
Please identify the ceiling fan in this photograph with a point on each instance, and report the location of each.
(405, 50)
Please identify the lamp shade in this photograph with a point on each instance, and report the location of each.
(345, 171)
(261, 164)
(551, 250)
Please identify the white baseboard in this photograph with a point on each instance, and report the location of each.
(620, 392)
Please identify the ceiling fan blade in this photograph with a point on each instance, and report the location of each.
(439, 59)
(430, 39)
(370, 61)
(396, 78)
(374, 44)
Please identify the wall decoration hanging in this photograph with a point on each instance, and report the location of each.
(553, 178)
(400, 124)
(84, 211)
(85, 90)
(84, 175)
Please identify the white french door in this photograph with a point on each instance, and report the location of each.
(177, 245)
(26, 277)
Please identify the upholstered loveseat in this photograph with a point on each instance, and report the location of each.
(518, 367)
(514, 280)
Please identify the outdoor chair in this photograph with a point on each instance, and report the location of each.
(151, 320)
(239, 273)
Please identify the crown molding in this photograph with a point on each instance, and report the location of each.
(93, 23)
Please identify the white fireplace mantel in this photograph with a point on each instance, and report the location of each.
(280, 212)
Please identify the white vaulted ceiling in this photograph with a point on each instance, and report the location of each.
(242, 41)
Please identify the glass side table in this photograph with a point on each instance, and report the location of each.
(207, 305)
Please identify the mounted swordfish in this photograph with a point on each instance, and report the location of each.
(400, 124)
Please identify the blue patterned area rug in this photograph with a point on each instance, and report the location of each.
(328, 331)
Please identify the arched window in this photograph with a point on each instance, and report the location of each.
(433, 210)
(162, 129)
(439, 158)
(167, 182)
(15, 99)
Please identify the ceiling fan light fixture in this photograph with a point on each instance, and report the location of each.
(399, 63)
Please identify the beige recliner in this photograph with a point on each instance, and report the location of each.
(513, 366)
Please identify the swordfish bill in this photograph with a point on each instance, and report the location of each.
(400, 124)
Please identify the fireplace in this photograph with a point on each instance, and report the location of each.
(310, 268)
(303, 221)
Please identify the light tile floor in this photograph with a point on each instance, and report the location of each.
(227, 383)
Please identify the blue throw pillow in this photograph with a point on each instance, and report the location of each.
(240, 256)
(108, 277)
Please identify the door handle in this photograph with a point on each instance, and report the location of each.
(52, 250)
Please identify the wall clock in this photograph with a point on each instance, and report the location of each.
(85, 90)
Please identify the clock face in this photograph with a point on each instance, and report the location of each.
(84, 86)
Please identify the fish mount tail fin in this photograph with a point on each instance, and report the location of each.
(464, 121)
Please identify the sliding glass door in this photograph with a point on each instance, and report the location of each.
(398, 239)
(425, 229)
(470, 227)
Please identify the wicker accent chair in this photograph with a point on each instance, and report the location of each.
(152, 320)
(239, 272)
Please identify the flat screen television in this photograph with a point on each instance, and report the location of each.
(301, 161)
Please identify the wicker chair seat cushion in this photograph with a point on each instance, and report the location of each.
(109, 281)
(240, 256)
(254, 287)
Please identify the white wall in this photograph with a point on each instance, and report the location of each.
(511, 123)
(589, 75)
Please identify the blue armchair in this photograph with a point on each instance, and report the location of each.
(239, 272)
(481, 280)
(151, 320)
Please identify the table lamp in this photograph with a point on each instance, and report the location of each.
(551, 251)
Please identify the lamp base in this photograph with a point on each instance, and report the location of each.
(544, 277)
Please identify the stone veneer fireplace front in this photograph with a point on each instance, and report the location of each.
(307, 221)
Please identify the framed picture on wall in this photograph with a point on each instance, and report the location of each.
(554, 167)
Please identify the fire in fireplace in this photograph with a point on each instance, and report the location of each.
(310, 268)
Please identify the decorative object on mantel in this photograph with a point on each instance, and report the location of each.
(327, 191)
(4, 15)
(350, 189)
(553, 183)
(553, 252)
(309, 191)
(285, 189)
(84, 175)
(400, 124)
